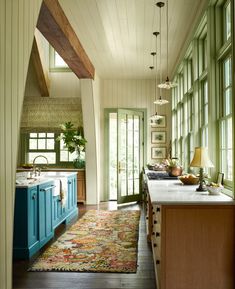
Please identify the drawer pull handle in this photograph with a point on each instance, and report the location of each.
(69, 182)
(157, 234)
(153, 233)
(153, 213)
(154, 245)
(158, 262)
(155, 222)
(158, 209)
(34, 197)
(147, 218)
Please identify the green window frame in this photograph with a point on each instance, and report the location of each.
(44, 143)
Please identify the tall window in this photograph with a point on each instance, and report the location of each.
(226, 149)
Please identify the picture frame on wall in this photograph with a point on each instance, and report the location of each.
(159, 123)
(158, 153)
(158, 137)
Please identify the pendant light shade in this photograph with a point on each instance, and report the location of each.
(167, 84)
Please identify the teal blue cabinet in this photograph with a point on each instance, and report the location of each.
(32, 219)
(38, 212)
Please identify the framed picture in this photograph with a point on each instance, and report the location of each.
(158, 137)
(220, 178)
(161, 122)
(158, 153)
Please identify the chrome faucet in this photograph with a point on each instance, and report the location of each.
(37, 170)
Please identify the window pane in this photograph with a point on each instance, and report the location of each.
(33, 135)
(50, 156)
(42, 144)
(227, 21)
(227, 72)
(50, 144)
(51, 135)
(33, 144)
(42, 135)
(64, 156)
(59, 62)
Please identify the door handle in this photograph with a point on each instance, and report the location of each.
(120, 168)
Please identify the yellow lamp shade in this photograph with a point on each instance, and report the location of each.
(201, 158)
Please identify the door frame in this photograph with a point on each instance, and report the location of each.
(106, 143)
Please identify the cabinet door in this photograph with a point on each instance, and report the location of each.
(72, 193)
(57, 210)
(33, 234)
(81, 187)
(45, 212)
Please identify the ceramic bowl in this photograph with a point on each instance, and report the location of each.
(214, 190)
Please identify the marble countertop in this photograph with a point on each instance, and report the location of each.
(24, 181)
(173, 192)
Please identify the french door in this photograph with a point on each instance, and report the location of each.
(125, 155)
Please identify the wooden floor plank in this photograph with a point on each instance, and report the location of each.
(144, 278)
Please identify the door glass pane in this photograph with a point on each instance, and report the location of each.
(123, 154)
(130, 154)
(113, 156)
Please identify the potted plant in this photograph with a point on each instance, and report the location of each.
(74, 141)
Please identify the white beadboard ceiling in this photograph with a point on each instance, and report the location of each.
(117, 34)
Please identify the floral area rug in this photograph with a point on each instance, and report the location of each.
(101, 241)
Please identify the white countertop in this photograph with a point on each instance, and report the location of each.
(172, 192)
(23, 182)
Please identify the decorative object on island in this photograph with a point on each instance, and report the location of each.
(74, 141)
(158, 153)
(201, 160)
(214, 189)
(189, 179)
(174, 168)
(158, 137)
(220, 178)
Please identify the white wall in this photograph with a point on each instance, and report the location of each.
(90, 109)
(17, 24)
(133, 93)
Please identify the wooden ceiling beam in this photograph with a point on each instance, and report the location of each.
(55, 27)
(41, 72)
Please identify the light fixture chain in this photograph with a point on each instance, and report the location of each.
(167, 49)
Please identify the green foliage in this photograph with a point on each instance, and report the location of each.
(73, 138)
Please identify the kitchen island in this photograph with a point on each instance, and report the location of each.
(192, 236)
(41, 204)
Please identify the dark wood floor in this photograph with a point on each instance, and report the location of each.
(143, 279)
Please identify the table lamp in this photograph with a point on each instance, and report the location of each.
(201, 160)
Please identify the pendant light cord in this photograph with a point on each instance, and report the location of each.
(160, 50)
(167, 48)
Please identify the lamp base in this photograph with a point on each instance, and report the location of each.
(201, 189)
